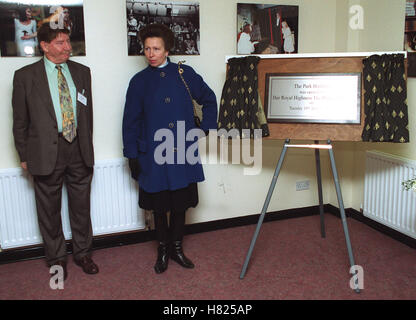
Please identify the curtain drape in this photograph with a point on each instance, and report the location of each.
(385, 99)
(239, 107)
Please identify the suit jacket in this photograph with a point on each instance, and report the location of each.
(277, 35)
(35, 129)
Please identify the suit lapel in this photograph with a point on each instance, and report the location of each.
(41, 83)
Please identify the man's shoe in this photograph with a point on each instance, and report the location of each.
(178, 255)
(87, 265)
(162, 258)
(63, 265)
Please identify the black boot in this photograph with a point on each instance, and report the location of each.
(161, 228)
(162, 258)
(178, 256)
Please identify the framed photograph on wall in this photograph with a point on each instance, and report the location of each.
(410, 37)
(20, 20)
(181, 17)
(267, 28)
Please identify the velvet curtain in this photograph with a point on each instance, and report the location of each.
(240, 106)
(385, 98)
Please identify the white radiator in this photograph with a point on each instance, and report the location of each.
(114, 205)
(385, 200)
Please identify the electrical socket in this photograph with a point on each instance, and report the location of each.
(302, 185)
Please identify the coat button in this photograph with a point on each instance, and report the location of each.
(171, 125)
(167, 100)
(162, 74)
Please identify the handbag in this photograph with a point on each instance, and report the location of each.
(197, 107)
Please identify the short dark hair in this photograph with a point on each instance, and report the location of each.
(22, 12)
(158, 30)
(47, 34)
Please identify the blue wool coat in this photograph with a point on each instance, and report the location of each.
(158, 114)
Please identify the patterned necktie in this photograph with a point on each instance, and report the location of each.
(65, 101)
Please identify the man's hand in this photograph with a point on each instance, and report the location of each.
(23, 165)
(134, 168)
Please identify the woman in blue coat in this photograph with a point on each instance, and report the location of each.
(160, 139)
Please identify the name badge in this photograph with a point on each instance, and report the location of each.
(82, 99)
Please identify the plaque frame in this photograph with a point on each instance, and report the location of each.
(356, 108)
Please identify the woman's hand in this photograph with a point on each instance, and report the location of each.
(135, 168)
(29, 36)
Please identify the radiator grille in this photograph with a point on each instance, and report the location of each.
(385, 200)
(114, 205)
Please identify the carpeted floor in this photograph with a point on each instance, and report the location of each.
(290, 261)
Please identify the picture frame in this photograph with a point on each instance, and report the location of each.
(19, 22)
(410, 37)
(181, 17)
(333, 98)
(267, 28)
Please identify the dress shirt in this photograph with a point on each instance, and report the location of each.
(52, 74)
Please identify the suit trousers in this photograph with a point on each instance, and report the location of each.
(71, 170)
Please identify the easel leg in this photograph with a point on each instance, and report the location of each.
(342, 211)
(265, 206)
(319, 180)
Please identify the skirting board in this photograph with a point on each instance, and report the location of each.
(115, 240)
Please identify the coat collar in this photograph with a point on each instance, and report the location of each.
(167, 65)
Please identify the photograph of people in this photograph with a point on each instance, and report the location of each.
(19, 24)
(25, 32)
(59, 17)
(158, 101)
(64, 17)
(267, 29)
(181, 17)
(410, 37)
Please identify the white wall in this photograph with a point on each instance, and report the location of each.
(323, 27)
(388, 21)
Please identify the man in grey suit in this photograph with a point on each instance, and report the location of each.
(52, 128)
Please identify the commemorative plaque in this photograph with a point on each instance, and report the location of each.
(313, 97)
